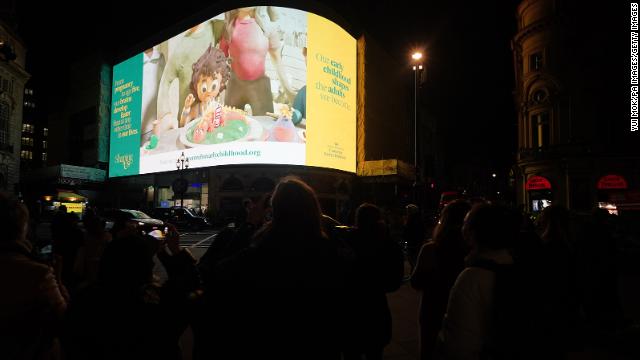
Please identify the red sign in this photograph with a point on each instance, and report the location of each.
(537, 183)
(609, 182)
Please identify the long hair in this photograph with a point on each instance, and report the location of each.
(448, 231)
(211, 62)
(296, 210)
(554, 225)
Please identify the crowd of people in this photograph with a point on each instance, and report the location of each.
(493, 284)
(281, 284)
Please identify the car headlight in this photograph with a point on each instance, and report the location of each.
(140, 223)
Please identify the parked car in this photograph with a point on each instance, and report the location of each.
(144, 222)
(182, 218)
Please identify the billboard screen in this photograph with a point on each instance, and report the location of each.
(258, 85)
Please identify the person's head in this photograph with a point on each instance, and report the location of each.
(93, 223)
(490, 227)
(122, 225)
(368, 216)
(295, 207)
(14, 219)
(259, 209)
(256, 13)
(62, 208)
(127, 262)
(553, 223)
(210, 74)
(449, 227)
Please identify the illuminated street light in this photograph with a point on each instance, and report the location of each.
(182, 163)
(417, 67)
(494, 175)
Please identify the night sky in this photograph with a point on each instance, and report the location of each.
(470, 76)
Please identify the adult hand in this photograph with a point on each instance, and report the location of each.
(172, 239)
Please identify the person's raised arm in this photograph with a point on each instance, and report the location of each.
(274, 50)
(166, 119)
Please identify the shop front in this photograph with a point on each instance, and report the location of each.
(614, 194)
(539, 193)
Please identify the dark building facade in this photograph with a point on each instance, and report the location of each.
(571, 110)
(35, 132)
(68, 130)
(13, 77)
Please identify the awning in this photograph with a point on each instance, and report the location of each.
(69, 196)
(537, 183)
(612, 182)
(387, 167)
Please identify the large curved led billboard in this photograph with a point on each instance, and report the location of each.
(258, 85)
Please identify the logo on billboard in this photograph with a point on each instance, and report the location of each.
(125, 160)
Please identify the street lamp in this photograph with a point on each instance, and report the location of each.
(417, 67)
(181, 185)
(182, 162)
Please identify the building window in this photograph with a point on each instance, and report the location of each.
(539, 96)
(4, 123)
(540, 130)
(44, 156)
(44, 144)
(535, 61)
(45, 132)
(28, 128)
(27, 141)
(26, 155)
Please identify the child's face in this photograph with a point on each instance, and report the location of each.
(208, 87)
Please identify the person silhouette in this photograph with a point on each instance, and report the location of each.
(287, 286)
(439, 263)
(33, 301)
(378, 269)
